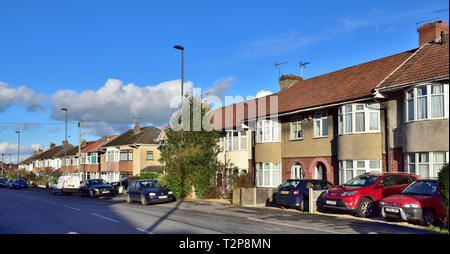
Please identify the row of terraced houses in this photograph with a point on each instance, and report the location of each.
(110, 157)
(386, 115)
(390, 114)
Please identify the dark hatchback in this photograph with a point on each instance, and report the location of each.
(148, 191)
(3, 182)
(123, 184)
(294, 193)
(96, 188)
(17, 183)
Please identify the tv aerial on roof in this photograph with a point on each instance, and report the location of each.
(278, 65)
(428, 20)
(302, 65)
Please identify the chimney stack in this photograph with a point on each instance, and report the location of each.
(432, 32)
(52, 145)
(287, 81)
(137, 129)
(35, 153)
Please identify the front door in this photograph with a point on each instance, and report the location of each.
(297, 172)
(321, 171)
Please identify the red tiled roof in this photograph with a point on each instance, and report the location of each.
(95, 146)
(347, 84)
(429, 62)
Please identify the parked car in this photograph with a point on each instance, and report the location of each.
(419, 202)
(66, 184)
(295, 192)
(17, 183)
(362, 194)
(148, 191)
(96, 188)
(3, 182)
(123, 184)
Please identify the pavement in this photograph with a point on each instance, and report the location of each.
(35, 210)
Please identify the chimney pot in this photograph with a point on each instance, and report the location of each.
(137, 129)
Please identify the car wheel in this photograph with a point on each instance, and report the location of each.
(427, 218)
(129, 201)
(143, 200)
(91, 193)
(366, 208)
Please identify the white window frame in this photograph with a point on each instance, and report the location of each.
(343, 168)
(272, 126)
(429, 95)
(229, 141)
(296, 122)
(115, 154)
(323, 116)
(274, 167)
(416, 162)
(368, 109)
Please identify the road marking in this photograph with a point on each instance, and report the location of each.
(74, 208)
(101, 216)
(295, 226)
(145, 231)
(51, 202)
(72, 233)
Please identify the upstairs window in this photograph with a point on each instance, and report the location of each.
(426, 102)
(359, 118)
(236, 140)
(296, 128)
(321, 124)
(126, 155)
(267, 131)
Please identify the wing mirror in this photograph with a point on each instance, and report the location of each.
(380, 185)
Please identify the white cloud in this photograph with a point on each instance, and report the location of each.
(220, 87)
(21, 96)
(114, 106)
(25, 151)
(263, 93)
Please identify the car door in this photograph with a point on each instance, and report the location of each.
(131, 190)
(389, 186)
(137, 191)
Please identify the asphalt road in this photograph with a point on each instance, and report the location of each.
(38, 212)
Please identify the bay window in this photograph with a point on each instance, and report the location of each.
(268, 174)
(426, 164)
(359, 118)
(350, 169)
(426, 102)
(267, 131)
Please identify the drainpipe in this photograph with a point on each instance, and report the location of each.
(384, 107)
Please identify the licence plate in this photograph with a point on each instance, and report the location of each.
(70, 186)
(391, 210)
(106, 191)
(330, 202)
(285, 192)
(162, 197)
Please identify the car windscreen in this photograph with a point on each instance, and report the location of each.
(427, 188)
(291, 183)
(151, 185)
(97, 182)
(362, 180)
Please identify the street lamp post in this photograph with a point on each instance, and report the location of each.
(182, 81)
(18, 148)
(65, 142)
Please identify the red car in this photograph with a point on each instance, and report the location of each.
(419, 202)
(362, 194)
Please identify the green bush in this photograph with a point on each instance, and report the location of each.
(150, 175)
(443, 182)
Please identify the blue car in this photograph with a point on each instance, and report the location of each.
(294, 193)
(17, 183)
(148, 191)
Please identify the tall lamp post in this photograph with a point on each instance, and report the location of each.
(65, 142)
(182, 81)
(18, 149)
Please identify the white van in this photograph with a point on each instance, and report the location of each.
(67, 184)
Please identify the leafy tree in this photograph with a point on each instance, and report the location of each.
(190, 157)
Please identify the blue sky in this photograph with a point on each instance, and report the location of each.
(75, 53)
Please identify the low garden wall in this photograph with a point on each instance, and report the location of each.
(316, 199)
(253, 196)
